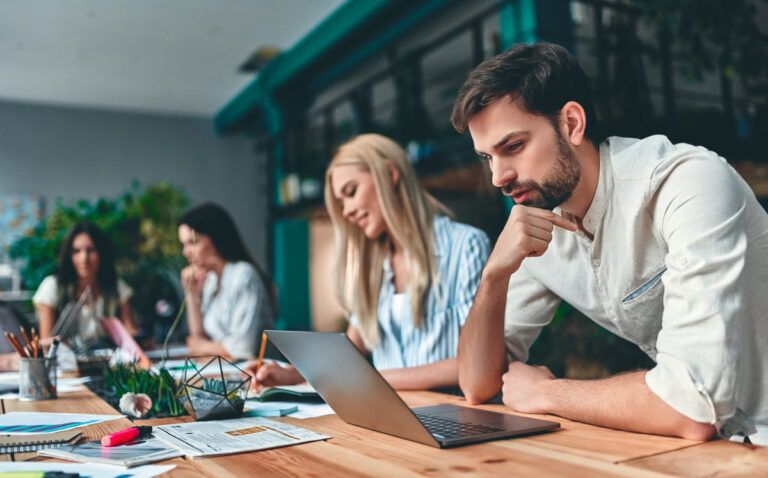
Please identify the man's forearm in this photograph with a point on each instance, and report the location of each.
(623, 402)
(482, 356)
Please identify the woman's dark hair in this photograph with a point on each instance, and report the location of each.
(542, 77)
(106, 276)
(215, 222)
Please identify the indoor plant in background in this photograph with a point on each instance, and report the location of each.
(142, 225)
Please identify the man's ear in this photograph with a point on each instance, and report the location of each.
(574, 121)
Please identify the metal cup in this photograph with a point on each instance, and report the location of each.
(37, 378)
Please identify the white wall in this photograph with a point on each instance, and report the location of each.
(77, 153)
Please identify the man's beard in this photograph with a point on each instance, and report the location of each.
(558, 184)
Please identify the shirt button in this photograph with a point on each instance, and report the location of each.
(596, 262)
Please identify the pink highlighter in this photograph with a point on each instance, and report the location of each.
(125, 436)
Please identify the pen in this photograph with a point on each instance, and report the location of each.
(54, 347)
(261, 350)
(125, 436)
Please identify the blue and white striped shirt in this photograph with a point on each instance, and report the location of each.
(461, 252)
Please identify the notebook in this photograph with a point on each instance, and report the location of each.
(289, 393)
(137, 452)
(20, 443)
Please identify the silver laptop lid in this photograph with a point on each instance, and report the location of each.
(331, 363)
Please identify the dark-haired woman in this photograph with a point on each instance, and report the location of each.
(229, 297)
(86, 260)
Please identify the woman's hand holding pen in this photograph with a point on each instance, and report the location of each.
(272, 374)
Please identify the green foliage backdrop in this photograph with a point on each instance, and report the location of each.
(141, 222)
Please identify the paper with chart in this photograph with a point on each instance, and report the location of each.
(224, 437)
(20, 423)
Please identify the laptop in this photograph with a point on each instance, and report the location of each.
(360, 396)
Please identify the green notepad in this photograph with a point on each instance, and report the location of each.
(259, 409)
(288, 393)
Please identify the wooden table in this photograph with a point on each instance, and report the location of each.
(575, 450)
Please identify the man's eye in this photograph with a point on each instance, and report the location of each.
(511, 148)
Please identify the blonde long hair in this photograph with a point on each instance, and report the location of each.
(408, 211)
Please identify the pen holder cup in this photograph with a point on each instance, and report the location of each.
(37, 378)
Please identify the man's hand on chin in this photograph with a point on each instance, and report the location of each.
(522, 388)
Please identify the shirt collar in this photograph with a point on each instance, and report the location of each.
(603, 193)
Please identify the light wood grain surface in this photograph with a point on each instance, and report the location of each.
(576, 450)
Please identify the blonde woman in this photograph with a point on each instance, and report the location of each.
(405, 271)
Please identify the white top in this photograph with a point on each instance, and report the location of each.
(237, 309)
(88, 327)
(678, 265)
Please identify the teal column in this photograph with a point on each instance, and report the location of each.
(290, 247)
(528, 21)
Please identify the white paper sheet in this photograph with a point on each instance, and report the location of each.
(88, 470)
(173, 351)
(63, 385)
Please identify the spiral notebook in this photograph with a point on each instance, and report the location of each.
(21, 443)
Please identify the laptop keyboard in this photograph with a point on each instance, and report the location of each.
(443, 428)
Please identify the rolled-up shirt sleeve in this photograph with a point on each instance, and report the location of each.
(530, 307)
(700, 213)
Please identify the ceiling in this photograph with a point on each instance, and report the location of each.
(160, 56)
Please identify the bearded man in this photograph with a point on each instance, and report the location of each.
(662, 244)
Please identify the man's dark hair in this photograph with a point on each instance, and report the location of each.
(542, 77)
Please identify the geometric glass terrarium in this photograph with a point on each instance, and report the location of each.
(209, 393)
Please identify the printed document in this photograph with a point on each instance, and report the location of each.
(224, 437)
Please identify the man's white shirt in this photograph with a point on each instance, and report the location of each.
(676, 261)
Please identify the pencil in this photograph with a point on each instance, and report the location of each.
(35, 343)
(15, 344)
(261, 350)
(25, 335)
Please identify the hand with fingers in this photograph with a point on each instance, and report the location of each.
(272, 374)
(527, 233)
(521, 389)
(193, 278)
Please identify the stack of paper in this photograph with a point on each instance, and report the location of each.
(138, 452)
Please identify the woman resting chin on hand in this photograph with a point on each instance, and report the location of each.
(229, 297)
